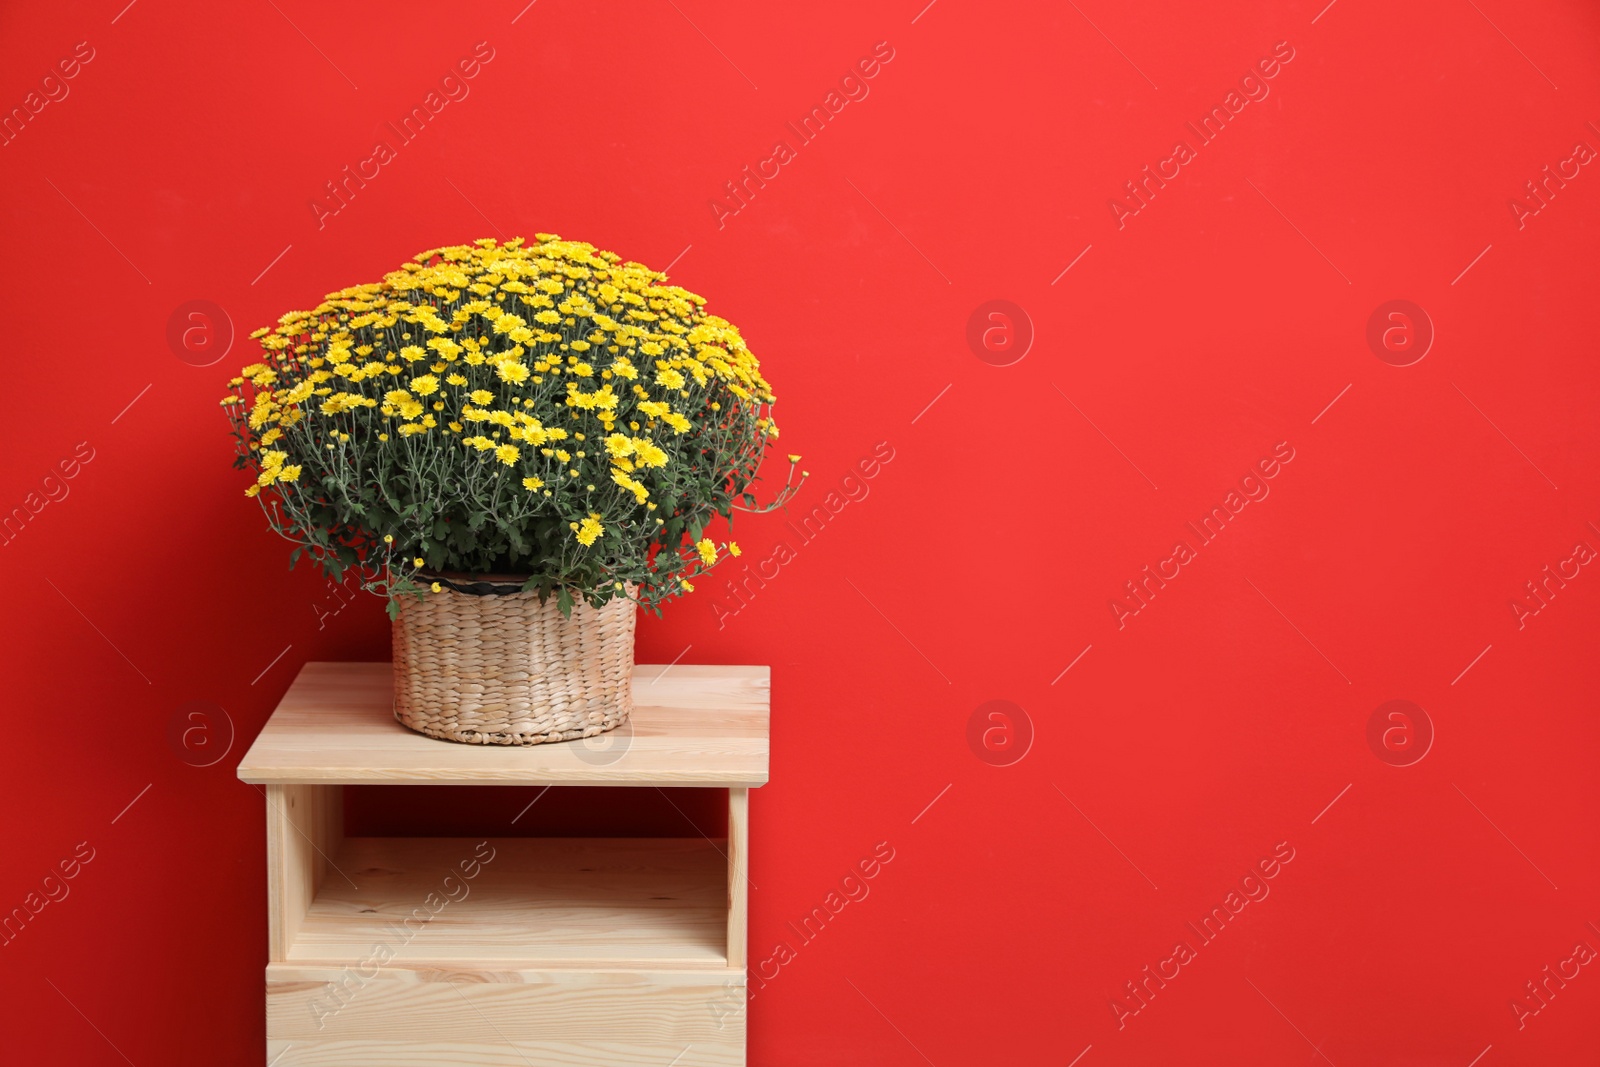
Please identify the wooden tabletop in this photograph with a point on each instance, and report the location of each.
(692, 725)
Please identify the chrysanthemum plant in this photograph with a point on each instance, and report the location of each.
(541, 409)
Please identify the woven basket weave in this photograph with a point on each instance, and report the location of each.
(500, 668)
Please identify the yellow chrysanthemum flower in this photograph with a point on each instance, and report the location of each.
(445, 347)
(640, 493)
(649, 453)
(590, 529)
(708, 551)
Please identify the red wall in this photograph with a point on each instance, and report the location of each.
(1194, 741)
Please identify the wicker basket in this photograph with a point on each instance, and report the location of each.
(483, 663)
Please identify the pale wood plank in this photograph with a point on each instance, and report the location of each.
(693, 725)
(311, 973)
(625, 1019)
(577, 902)
(738, 874)
(522, 1054)
(305, 827)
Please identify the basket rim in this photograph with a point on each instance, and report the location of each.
(476, 584)
(471, 584)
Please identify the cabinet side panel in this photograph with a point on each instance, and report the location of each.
(305, 825)
(738, 874)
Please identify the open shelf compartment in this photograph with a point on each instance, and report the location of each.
(519, 903)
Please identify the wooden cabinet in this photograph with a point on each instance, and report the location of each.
(401, 951)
